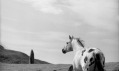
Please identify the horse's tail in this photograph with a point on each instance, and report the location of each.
(98, 64)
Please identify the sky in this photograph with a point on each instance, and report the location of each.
(44, 26)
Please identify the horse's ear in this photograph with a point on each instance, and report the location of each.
(70, 37)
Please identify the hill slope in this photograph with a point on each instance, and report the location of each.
(16, 57)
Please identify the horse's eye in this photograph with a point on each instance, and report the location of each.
(67, 42)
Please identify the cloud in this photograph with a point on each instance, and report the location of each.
(18, 37)
(47, 6)
(77, 24)
(102, 14)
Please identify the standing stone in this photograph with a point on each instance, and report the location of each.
(32, 57)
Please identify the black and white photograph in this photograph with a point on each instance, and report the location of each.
(59, 35)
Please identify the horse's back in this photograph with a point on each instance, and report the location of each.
(90, 58)
(95, 59)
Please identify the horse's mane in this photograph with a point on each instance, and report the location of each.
(80, 42)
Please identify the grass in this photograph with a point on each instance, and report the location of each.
(48, 67)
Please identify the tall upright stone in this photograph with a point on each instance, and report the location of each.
(32, 57)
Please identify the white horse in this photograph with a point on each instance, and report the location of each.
(86, 59)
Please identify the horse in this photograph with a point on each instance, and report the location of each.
(86, 58)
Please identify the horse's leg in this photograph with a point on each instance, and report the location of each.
(74, 67)
(71, 68)
(80, 68)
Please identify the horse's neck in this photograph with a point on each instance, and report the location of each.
(76, 47)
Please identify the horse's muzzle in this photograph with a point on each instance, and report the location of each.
(63, 51)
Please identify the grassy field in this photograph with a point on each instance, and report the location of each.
(48, 67)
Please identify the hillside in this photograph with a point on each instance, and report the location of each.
(16, 57)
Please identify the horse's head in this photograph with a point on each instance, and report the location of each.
(69, 45)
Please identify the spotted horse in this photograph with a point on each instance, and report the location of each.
(86, 58)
